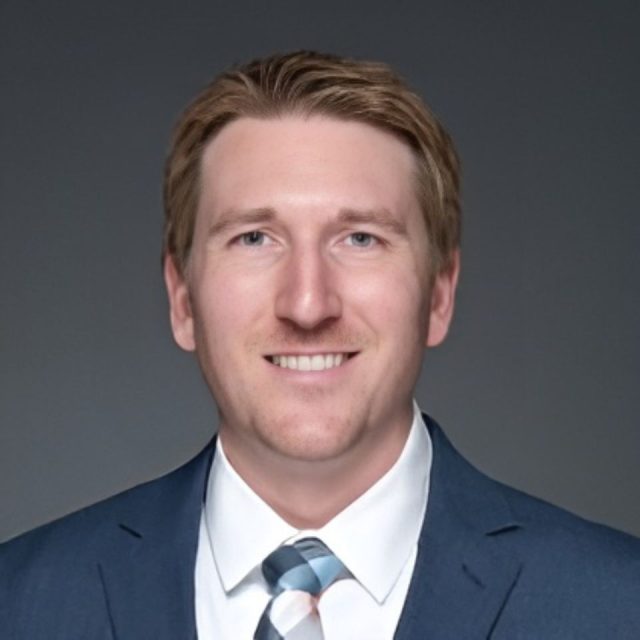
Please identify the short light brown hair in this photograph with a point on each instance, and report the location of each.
(309, 83)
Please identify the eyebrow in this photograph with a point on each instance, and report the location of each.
(235, 218)
(379, 217)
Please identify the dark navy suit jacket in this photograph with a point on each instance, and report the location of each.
(492, 563)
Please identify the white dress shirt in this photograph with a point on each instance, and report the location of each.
(375, 537)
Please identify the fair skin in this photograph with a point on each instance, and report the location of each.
(308, 300)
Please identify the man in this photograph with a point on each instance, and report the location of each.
(311, 252)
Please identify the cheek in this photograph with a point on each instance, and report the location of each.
(396, 302)
(225, 309)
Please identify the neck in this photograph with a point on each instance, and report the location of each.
(309, 493)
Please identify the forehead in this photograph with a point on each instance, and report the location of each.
(316, 161)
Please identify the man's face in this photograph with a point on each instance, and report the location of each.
(306, 295)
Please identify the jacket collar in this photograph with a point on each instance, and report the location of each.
(464, 572)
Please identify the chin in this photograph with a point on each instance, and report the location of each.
(309, 440)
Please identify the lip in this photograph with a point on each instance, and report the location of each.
(311, 352)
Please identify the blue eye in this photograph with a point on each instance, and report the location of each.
(361, 239)
(252, 238)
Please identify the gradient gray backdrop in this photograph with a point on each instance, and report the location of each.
(539, 381)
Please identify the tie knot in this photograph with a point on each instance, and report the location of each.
(307, 565)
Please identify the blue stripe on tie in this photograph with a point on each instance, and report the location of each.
(301, 578)
(327, 569)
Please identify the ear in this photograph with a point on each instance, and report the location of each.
(180, 312)
(443, 293)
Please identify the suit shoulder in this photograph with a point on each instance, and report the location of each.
(549, 520)
(494, 505)
(571, 556)
(52, 579)
(577, 578)
(77, 537)
(580, 552)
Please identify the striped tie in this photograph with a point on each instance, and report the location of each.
(297, 575)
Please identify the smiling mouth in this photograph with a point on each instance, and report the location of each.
(317, 362)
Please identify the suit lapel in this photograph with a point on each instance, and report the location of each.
(148, 569)
(463, 573)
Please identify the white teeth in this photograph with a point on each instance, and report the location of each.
(310, 363)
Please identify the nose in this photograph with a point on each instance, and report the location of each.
(308, 293)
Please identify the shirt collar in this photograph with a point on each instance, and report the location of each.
(243, 529)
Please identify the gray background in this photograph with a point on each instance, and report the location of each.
(539, 381)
